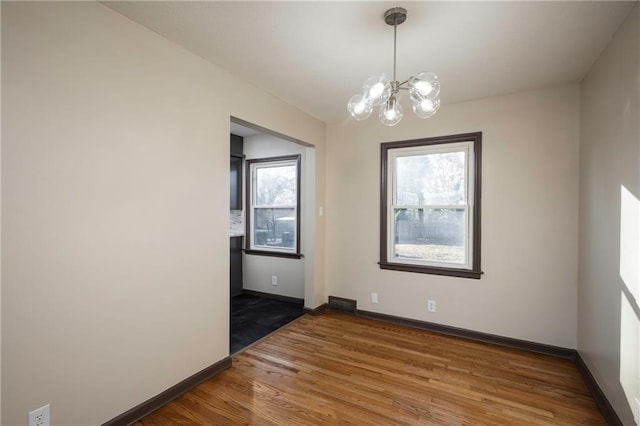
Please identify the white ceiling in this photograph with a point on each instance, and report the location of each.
(316, 55)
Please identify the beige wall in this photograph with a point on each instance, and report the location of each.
(609, 287)
(115, 255)
(529, 218)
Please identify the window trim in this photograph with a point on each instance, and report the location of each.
(386, 192)
(292, 254)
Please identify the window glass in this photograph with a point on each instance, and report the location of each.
(437, 178)
(431, 235)
(274, 227)
(276, 185)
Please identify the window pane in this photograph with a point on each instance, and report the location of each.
(437, 178)
(432, 235)
(276, 185)
(275, 228)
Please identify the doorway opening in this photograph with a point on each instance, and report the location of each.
(272, 226)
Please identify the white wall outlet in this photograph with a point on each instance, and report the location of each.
(274, 280)
(374, 297)
(431, 305)
(636, 411)
(40, 417)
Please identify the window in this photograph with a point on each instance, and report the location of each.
(273, 200)
(430, 205)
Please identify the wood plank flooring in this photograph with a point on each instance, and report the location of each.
(341, 369)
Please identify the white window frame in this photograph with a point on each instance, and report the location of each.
(264, 163)
(469, 144)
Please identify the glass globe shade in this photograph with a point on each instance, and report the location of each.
(359, 108)
(424, 85)
(391, 112)
(426, 107)
(377, 90)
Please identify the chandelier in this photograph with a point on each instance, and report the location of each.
(423, 88)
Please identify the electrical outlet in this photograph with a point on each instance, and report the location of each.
(374, 297)
(39, 417)
(636, 411)
(431, 305)
(274, 280)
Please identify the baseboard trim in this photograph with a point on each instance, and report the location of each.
(541, 348)
(317, 311)
(274, 296)
(149, 406)
(605, 406)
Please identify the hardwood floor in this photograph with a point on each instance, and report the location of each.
(341, 369)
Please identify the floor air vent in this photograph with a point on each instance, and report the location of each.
(342, 305)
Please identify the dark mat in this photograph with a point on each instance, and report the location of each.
(253, 317)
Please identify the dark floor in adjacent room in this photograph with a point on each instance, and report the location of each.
(253, 317)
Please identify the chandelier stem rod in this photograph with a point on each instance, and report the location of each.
(395, 29)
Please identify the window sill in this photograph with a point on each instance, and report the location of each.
(451, 272)
(274, 254)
